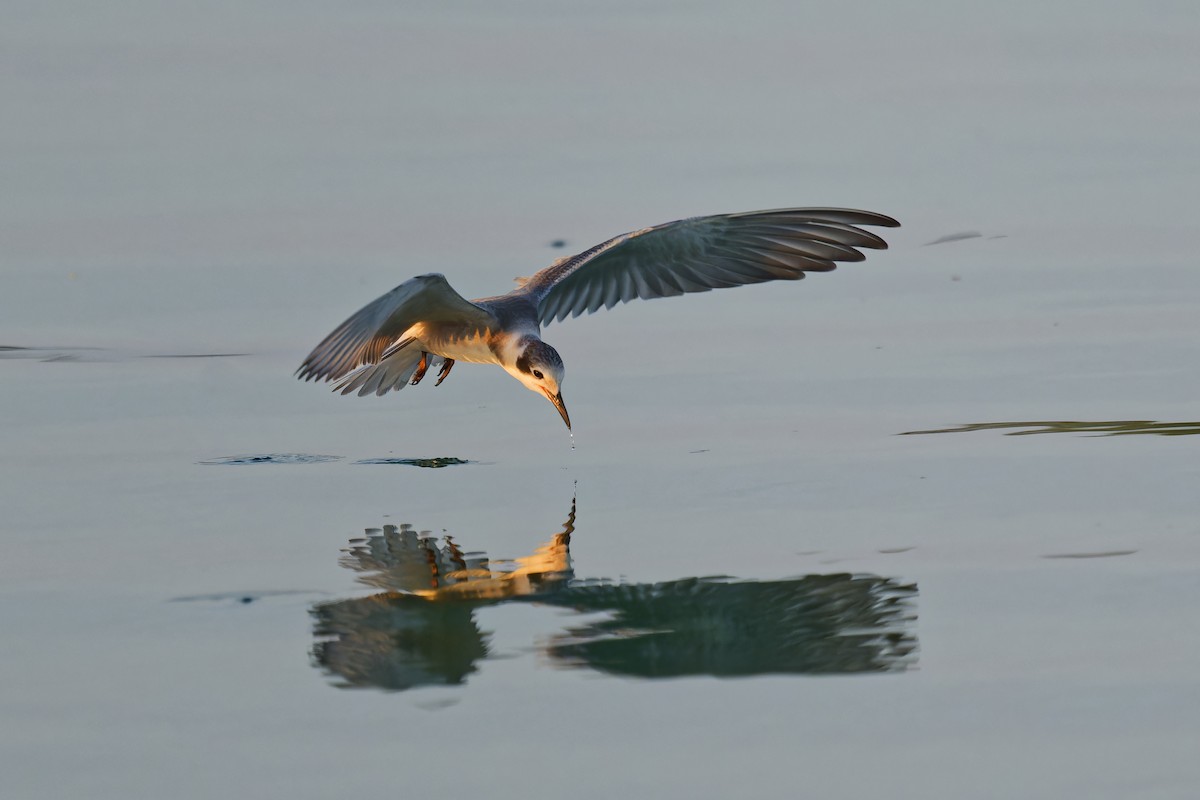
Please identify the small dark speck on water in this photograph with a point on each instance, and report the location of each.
(247, 599)
(558, 243)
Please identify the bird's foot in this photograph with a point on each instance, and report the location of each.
(421, 369)
(446, 365)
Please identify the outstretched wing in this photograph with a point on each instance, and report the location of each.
(703, 253)
(369, 336)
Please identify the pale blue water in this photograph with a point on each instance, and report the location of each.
(766, 589)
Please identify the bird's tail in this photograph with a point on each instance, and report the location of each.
(393, 372)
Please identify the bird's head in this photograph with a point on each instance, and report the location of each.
(540, 368)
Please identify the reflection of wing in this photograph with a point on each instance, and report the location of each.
(702, 626)
(703, 253)
(400, 559)
(397, 642)
(368, 335)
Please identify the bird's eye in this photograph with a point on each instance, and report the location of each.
(537, 373)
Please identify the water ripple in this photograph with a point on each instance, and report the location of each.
(1122, 427)
(273, 458)
(428, 463)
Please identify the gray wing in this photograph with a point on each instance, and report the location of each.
(704, 253)
(376, 333)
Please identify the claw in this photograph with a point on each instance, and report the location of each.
(446, 365)
(421, 368)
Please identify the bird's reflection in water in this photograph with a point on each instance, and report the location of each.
(420, 630)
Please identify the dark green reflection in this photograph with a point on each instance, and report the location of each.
(421, 629)
(396, 642)
(428, 463)
(705, 626)
(1121, 427)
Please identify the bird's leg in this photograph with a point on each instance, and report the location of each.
(446, 365)
(421, 368)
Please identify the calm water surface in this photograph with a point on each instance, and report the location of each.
(743, 580)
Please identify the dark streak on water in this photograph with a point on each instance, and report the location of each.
(196, 355)
(428, 463)
(72, 353)
(273, 458)
(241, 598)
(1124, 427)
(955, 237)
(45, 353)
(16, 348)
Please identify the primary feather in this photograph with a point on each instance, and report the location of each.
(704, 253)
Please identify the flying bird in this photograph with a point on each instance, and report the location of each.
(423, 323)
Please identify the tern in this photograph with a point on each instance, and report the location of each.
(394, 340)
